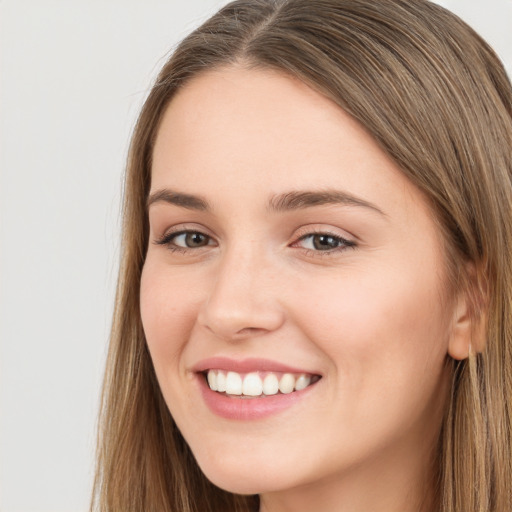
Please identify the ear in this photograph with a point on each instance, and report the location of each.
(469, 324)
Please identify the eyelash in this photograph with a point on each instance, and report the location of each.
(167, 240)
(343, 243)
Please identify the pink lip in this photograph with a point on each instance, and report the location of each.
(248, 409)
(245, 365)
(241, 409)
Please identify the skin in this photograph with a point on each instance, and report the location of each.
(373, 318)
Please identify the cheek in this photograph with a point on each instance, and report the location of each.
(383, 331)
(386, 340)
(167, 307)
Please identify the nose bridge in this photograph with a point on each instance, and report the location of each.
(242, 299)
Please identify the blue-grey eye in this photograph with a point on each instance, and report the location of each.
(191, 239)
(323, 242)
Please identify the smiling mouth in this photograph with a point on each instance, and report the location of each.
(257, 384)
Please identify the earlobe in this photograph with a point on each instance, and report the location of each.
(468, 332)
(459, 346)
(467, 338)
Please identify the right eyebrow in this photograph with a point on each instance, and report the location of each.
(188, 201)
(302, 199)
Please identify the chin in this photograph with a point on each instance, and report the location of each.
(237, 484)
(245, 477)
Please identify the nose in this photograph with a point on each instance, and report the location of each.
(243, 300)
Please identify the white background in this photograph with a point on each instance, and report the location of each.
(73, 74)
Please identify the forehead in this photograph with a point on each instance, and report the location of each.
(259, 132)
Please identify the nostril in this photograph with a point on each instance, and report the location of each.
(250, 330)
(230, 332)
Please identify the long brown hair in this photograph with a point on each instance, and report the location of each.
(438, 101)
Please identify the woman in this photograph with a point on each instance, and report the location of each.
(314, 303)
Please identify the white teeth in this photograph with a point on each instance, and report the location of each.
(212, 380)
(252, 386)
(302, 382)
(232, 383)
(221, 382)
(270, 384)
(287, 383)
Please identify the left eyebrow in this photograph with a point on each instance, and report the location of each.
(188, 201)
(298, 200)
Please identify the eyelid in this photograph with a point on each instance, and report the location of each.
(319, 229)
(184, 228)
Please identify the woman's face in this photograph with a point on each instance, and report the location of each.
(286, 248)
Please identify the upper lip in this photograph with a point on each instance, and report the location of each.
(246, 366)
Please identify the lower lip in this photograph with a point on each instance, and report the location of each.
(247, 409)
